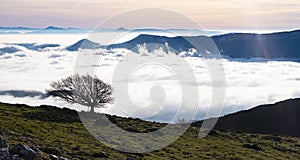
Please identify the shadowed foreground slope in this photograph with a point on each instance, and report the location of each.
(51, 130)
(282, 118)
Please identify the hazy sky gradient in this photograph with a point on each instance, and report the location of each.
(211, 14)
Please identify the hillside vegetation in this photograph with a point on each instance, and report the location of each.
(51, 130)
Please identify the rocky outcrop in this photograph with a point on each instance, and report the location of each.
(54, 157)
(17, 151)
(24, 151)
(4, 154)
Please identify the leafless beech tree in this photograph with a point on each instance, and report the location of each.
(82, 89)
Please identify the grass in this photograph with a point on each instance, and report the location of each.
(60, 132)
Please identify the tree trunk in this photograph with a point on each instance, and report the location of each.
(92, 109)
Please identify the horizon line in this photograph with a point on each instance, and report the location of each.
(191, 29)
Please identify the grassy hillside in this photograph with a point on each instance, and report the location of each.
(51, 130)
(279, 118)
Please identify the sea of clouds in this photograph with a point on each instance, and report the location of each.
(26, 74)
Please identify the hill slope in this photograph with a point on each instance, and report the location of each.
(279, 118)
(51, 130)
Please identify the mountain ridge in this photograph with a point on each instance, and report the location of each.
(233, 45)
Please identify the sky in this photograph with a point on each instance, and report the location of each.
(210, 14)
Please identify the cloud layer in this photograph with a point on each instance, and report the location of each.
(248, 83)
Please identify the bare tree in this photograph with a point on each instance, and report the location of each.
(82, 89)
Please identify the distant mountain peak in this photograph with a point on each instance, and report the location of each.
(83, 44)
(54, 28)
(121, 29)
(85, 40)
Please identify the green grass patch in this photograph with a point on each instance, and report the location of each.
(60, 132)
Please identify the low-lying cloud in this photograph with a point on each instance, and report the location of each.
(248, 83)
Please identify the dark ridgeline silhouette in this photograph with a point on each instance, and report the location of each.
(83, 89)
(234, 45)
(280, 118)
